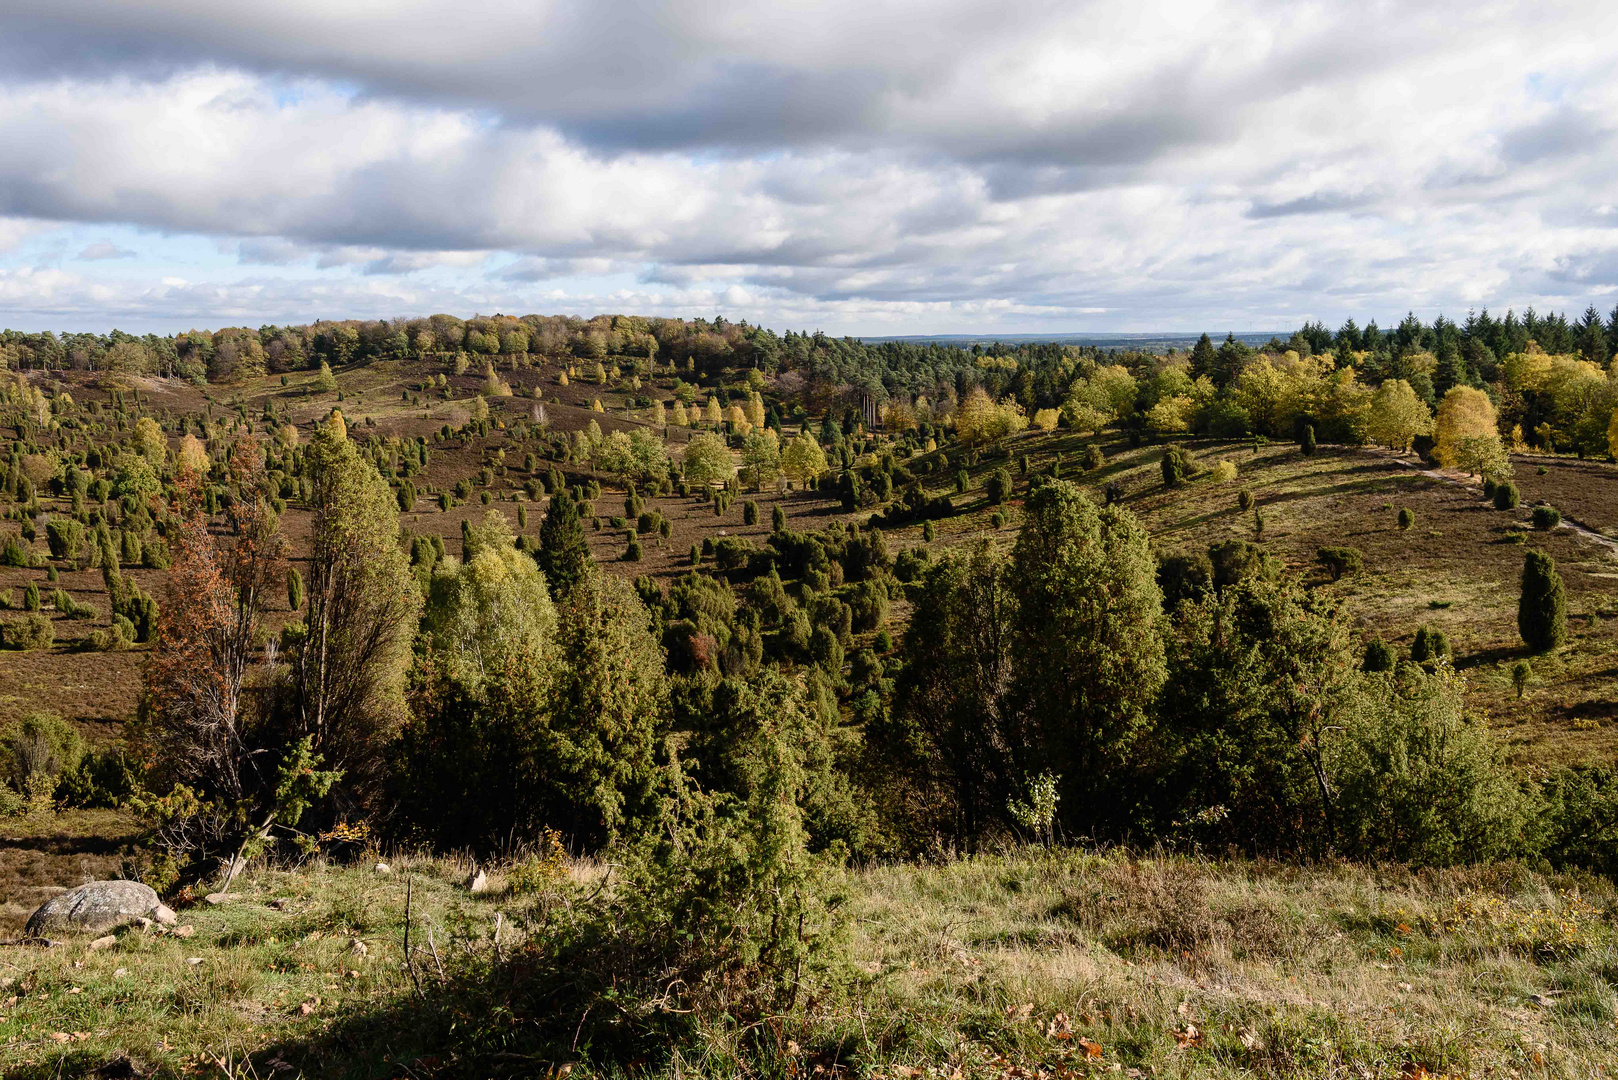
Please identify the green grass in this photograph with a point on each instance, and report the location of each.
(1051, 963)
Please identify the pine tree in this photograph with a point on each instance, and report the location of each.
(563, 553)
(1087, 671)
(1542, 611)
(1202, 357)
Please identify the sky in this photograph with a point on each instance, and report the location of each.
(871, 167)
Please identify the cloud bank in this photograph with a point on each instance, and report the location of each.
(872, 166)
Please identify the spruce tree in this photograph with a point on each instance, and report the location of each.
(1542, 611)
(563, 552)
(1307, 442)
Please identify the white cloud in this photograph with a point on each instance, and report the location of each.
(1173, 163)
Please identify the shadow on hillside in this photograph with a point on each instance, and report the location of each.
(1489, 657)
(66, 844)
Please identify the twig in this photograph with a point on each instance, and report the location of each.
(410, 962)
(434, 946)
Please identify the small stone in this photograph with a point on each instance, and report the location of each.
(165, 915)
(120, 973)
(103, 943)
(217, 898)
(478, 882)
(360, 949)
(383, 868)
(183, 931)
(193, 960)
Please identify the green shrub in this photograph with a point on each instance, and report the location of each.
(1307, 442)
(1244, 500)
(1340, 560)
(30, 597)
(750, 512)
(1093, 458)
(1379, 656)
(1522, 673)
(998, 487)
(1547, 517)
(1429, 645)
(32, 631)
(1184, 576)
(65, 537)
(1420, 782)
(1505, 496)
(1177, 465)
(1407, 518)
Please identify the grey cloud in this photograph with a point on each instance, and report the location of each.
(1322, 202)
(270, 251)
(1567, 132)
(629, 75)
(104, 249)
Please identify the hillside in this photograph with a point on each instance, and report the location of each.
(789, 686)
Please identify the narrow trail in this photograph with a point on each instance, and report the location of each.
(1606, 543)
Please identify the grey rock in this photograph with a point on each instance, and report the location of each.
(477, 882)
(96, 908)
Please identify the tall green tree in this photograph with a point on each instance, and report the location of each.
(952, 731)
(487, 609)
(1542, 608)
(360, 614)
(1261, 674)
(563, 552)
(1087, 642)
(610, 703)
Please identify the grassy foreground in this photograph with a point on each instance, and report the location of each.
(1026, 964)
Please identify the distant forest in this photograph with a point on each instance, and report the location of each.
(1467, 352)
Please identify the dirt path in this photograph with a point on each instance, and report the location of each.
(1606, 543)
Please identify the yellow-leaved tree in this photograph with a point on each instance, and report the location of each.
(1397, 416)
(802, 459)
(980, 419)
(1468, 436)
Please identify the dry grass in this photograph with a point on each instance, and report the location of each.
(1059, 963)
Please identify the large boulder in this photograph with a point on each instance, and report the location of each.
(98, 907)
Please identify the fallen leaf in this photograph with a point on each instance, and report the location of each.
(1188, 1038)
(1059, 1027)
(1092, 1050)
(1249, 1038)
(1019, 1012)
